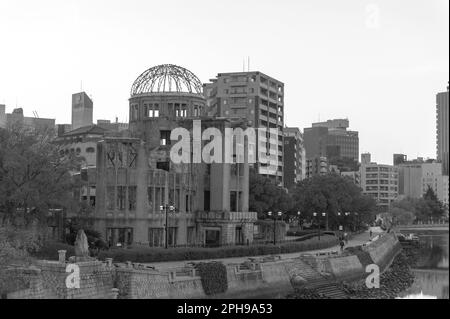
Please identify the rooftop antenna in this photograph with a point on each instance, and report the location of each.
(243, 65)
(81, 86)
(248, 64)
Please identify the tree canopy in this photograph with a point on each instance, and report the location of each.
(408, 210)
(331, 194)
(265, 195)
(34, 177)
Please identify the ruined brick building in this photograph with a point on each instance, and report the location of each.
(135, 175)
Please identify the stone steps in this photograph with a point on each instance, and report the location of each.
(317, 282)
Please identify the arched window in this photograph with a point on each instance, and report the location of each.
(90, 150)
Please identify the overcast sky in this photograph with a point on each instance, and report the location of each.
(377, 63)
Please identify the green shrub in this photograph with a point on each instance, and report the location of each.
(214, 277)
(149, 254)
(49, 250)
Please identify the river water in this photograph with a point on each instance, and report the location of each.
(431, 272)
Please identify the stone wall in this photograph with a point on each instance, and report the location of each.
(136, 281)
(49, 282)
(382, 250)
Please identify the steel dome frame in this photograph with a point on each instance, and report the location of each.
(167, 78)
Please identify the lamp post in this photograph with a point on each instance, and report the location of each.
(318, 224)
(345, 219)
(324, 215)
(298, 218)
(274, 216)
(165, 208)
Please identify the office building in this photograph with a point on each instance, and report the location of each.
(82, 110)
(415, 177)
(16, 117)
(294, 157)
(332, 140)
(379, 181)
(259, 99)
(442, 140)
(399, 159)
(316, 166)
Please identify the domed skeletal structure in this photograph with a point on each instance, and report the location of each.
(166, 78)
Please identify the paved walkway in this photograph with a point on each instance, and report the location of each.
(355, 241)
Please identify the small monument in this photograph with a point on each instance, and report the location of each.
(81, 247)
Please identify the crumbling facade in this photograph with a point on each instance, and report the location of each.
(137, 182)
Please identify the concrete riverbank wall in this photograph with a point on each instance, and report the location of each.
(352, 266)
(265, 275)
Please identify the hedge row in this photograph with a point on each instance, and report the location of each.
(49, 250)
(148, 254)
(214, 277)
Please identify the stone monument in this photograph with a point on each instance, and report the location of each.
(81, 247)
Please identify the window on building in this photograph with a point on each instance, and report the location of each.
(165, 137)
(191, 235)
(156, 237)
(132, 198)
(119, 236)
(172, 234)
(206, 200)
(163, 165)
(90, 150)
(150, 197)
(110, 198)
(121, 196)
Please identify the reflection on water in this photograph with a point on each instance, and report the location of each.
(431, 273)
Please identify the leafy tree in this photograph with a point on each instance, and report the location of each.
(421, 208)
(34, 176)
(331, 194)
(16, 245)
(265, 195)
(402, 216)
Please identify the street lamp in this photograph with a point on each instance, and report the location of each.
(339, 220)
(278, 214)
(165, 208)
(345, 219)
(298, 218)
(318, 224)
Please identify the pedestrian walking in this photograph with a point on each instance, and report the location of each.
(341, 243)
(370, 233)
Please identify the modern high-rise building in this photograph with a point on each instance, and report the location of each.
(442, 140)
(399, 159)
(294, 157)
(379, 181)
(82, 110)
(2, 116)
(331, 139)
(417, 175)
(259, 99)
(316, 166)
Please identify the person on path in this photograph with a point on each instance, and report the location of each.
(370, 233)
(341, 243)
